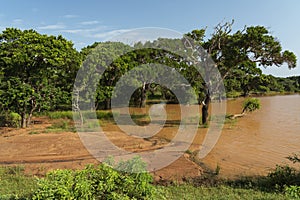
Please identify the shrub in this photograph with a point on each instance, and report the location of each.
(251, 104)
(281, 177)
(102, 182)
(11, 119)
(292, 191)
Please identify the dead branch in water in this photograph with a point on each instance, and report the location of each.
(237, 115)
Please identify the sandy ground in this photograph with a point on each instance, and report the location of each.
(40, 152)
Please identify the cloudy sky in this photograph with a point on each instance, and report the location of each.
(85, 22)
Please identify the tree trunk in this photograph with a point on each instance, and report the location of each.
(28, 121)
(205, 108)
(107, 104)
(143, 96)
(23, 123)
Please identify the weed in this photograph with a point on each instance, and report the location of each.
(217, 170)
(33, 132)
(61, 126)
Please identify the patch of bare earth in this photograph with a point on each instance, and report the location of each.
(40, 151)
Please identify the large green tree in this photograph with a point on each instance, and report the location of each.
(240, 53)
(38, 71)
(104, 63)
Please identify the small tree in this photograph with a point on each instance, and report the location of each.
(250, 105)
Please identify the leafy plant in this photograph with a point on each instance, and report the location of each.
(102, 182)
(292, 191)
(14, 184)
(11, 119)
(283, 176)
(251, 104)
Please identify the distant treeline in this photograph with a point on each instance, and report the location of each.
(264, 84)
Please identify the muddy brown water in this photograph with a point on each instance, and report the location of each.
(260, 140)
(256, 142)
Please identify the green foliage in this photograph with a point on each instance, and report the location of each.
(283, 176)
(292, 191)
(37, 71)
(233, 94)
(63, 125)
(277, 180)
(107, 115)
(14, 184)
(10, 119)
(60, 115)
(14, 120)
(251, 104)
(189, 192)
(87, 114)
(102, 182)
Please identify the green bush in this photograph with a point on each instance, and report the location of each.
(292, 191)
(283, 176)
(11, 119)
(251, 104)
(102, 182)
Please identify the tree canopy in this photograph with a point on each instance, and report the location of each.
(38, 71)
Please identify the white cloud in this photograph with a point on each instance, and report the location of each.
(70, 16)
(89, 22)
(110, 34)
(131, 36)
(86, 32)
(52, 27)
(74, 31)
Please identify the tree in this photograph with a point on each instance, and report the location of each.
(249, 105)
(236, 53)
(38, 70)
(115, 59)
(104, 63)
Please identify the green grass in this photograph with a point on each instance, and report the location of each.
(188, 192)
(233, 94)
(14, 184)
(100, 114)
(60, 115)
(61, 126)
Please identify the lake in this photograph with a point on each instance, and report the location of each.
(260, 140)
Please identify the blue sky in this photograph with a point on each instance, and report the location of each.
(85, 22)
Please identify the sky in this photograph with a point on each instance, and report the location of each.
(88, 21)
